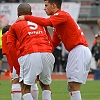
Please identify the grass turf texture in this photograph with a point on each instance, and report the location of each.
(90, 91)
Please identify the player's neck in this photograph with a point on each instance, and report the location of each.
(56, 10)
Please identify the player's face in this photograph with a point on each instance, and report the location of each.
(49, 9)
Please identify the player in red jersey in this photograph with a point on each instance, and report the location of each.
(16, 89)
(35, 57)
(71, 35)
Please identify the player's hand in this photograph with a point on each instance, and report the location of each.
(20, 18)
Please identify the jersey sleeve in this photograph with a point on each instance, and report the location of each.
(11, 44)
(38, 20)
(9, 62)
(58, 18)
(4, 44)
(55, 39)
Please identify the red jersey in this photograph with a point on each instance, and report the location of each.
(65, 29)
(5, 51)
(32, 38)
(4, 44)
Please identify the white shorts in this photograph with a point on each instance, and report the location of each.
(78, 64)
(35, 64)
(13, 74)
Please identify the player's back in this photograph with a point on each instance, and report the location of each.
(32, 37)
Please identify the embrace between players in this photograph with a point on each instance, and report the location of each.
(33, 56)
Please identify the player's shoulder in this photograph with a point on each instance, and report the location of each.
(61, 13)
(64, 13)
(18, 24)
(5, 34)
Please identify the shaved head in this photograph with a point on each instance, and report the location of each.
(24, 9)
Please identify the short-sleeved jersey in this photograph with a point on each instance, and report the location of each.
(66, 30)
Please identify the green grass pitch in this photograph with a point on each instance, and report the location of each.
(89, 91)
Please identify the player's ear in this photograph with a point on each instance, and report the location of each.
(18, 14)
(30, 13)
(54, 5)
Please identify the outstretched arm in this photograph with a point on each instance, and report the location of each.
(38, 20)
(55, 39)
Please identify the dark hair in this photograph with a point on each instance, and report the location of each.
(57, 2)
(24, 9)
(5, 29)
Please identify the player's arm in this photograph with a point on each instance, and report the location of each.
(5, 51)
(55, 40)
(4, 45)
(11, 44)
(9, 62)
(38, 20)
(52, 21)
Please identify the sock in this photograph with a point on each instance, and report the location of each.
(27, 96)
(16, 92)
(34, 91)
(46, 95)
(75, 95)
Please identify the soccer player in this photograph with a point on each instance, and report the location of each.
(71, 35)
(16, 89)
(35, 57)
